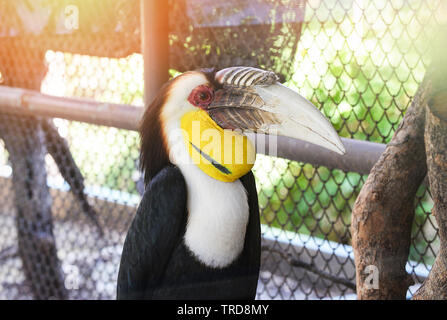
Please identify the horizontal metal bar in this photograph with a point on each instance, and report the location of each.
(360, 155)
(30, 102)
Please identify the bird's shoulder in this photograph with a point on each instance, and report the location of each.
(164, 197)
(170, 177)
(248, 181)
(152, 234)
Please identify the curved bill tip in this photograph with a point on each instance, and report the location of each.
(298, 118)
(255, 100)
(336, 145)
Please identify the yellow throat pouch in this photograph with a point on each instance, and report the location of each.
(222, 154)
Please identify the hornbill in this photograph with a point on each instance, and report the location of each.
(196, 233)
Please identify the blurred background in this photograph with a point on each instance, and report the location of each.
(359, 61)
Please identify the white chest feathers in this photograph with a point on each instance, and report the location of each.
(218, 214)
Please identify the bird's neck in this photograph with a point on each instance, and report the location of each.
(218, 212)
(218, 215)
(224, 155)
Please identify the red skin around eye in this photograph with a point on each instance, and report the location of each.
(201, 96)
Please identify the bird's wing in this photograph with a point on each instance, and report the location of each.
(152, 235)
(253, 237)
(254, 225)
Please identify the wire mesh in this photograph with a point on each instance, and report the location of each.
(69, 190)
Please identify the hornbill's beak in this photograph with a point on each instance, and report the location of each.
(252, 100)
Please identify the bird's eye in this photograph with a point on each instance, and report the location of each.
(201, 96)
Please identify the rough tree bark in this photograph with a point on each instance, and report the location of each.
(435, 286)
(384, 210)
(383, 213)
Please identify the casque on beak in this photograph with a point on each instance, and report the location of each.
(252, 100)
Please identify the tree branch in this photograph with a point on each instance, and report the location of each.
(384, 210)
(8, 253)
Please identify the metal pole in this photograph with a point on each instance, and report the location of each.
(28, 102)
(155, 46)
(360, 155)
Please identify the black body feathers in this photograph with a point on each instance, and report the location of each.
(155, 263)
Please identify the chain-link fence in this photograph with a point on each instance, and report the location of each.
(69, 189)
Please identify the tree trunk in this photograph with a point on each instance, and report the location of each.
(435, 286)
(59, 149)
(24, 140)
(384, 210)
